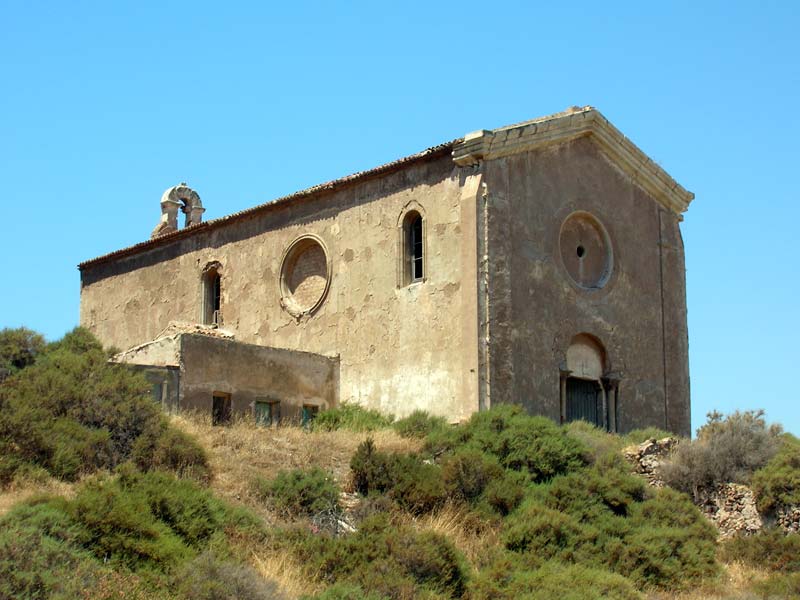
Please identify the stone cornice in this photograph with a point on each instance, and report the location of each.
(577, 122)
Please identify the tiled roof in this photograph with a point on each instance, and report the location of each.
(336, 184)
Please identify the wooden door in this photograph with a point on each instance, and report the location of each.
(583, 401)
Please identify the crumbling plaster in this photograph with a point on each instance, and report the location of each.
(639, 315)
(398, 346)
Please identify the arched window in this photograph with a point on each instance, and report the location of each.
(212, 295)
(414, 248)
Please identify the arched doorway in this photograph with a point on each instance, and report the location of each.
(583, 395)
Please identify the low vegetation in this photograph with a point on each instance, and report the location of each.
(299, 493)
(727, 449)
(139, 505)
(72, 413)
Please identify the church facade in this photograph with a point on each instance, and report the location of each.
(539, 264)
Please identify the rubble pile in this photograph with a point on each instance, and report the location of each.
(647, 457)
(732, 508)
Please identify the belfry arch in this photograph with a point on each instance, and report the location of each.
(178, 197)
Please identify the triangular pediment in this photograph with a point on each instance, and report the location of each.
(561, 127)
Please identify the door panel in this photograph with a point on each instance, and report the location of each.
(583, 399)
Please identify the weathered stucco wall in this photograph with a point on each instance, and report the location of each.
(248, 373)
(401, 348)
(535, 307)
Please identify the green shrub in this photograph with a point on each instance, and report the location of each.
(769, 549)
(727, 449)
(345, 592)
(505, 494)
(383, 559)
(208, 578)
(162, 447)
(414, 484)
(150, 521)
(778, 482)
(666, 557)
(779, 586)
(72, 412)
(372, 470)
(533, 445)
(299, 492)
(119, 526)
(418, 486)
(594, 493)
(506, 579)
(419, 424)
(597, 442)
(351, 417)
(37, 566)
(467, 472)
(19, 348)
(544, 534)
(41, 557)
(600, 516)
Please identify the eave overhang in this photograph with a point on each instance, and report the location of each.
(486, 145)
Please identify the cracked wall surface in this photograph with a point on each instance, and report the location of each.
(536, 307)
(400, 348)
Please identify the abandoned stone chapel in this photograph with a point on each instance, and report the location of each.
(539, 264)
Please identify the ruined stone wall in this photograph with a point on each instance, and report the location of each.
(248, 373)
(536, 307)
(401, 348)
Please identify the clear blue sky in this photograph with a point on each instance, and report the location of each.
(103, 105)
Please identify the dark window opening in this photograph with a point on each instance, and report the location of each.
(268, 412)
(212, 298)
(584, 402)
(220, 408)
(414, 248)
(309, 414)
(581, 251)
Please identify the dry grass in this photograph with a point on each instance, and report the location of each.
(241, 451)
(471, 534)
(733, 584)
(23, 488)
(280, 567)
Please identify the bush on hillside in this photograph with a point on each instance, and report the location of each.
(598, 443)
(419, 424)
(768, 549)
(207, 577)
(414, 484)
(72, 413)
(149, 521)
(299, 492)
(19, 348)
(350, 417)
(39, 555)
(779, 586)
(468, 471)
(162, 447)
(383, 559)
(601, 517)
(345, 592)
(778, 482)
(532, 445)
(727, 449)
(506, 579)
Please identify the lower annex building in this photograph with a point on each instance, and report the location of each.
(539, 264)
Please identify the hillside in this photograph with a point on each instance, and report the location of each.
(104, 497)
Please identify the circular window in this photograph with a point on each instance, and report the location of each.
(586, 250)
(304, 276)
